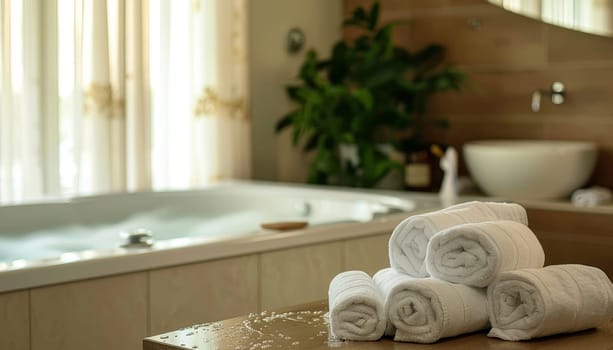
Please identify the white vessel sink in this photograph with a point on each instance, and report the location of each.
(530, 169)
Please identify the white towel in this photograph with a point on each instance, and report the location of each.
(388, 280)
(530, 303)
(424, 310)
(356, 307)
(474, 254)
(502, 211)
(407, 245)
(591, 197)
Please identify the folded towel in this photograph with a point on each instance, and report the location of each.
(407, 245)
(356, 307)
(424, 310)
(474, 254)
(530, 303)
(591, 197)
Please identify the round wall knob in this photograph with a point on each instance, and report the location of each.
(295, 40)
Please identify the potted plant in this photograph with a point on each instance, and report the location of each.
(368, 94)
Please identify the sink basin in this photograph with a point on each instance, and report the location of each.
(530, 169)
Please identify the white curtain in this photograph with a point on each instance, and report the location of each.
(21, 165)
(200, 121)
(114, 133)
(136, 94)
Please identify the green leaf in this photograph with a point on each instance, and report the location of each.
(293, 92)
(312, 142)
(359, 18)
(402, 54)
(296, 135)
(340, 63)
(284, 122)
(309, 71)
(359, 14)
(362, 44)
(364, 97)
(382, 74)
(374, 16)
(385, 33)
(428, 58)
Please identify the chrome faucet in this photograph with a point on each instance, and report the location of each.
(137, 238)
(557, 93)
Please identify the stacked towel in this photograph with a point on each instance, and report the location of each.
(424, 310)
(465, 247)
(389, 281)
(530, 303)
(407, 245)
(474, 254)
(356, 307)
(502, 211)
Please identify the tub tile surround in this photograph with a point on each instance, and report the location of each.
(357, 253)
(298, 275)
(117, 312)
(99, 314)
(190, 294)
(15, 320)
(507, 58)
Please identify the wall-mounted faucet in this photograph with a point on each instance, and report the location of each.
(557, 93)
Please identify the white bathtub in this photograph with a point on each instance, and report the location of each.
(79, 238)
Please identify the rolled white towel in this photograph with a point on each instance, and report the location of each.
(474, 254)
(407, 245)
(502, 211)
(424, 310)
(386, 280)
(356, 307)
(590, 197)
(531, 303)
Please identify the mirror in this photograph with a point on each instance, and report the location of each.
(590, 16)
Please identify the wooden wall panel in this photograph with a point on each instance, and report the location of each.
(574, 237)
(569, 46)
(483, 37)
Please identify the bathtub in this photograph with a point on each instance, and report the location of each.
(81, 238)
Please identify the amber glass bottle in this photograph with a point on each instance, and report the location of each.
(421, 169)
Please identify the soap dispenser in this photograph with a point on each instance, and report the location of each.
(449, 188)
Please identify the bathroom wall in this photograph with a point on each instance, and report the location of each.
(272, 67)
(508, 57)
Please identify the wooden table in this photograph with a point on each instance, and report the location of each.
(303, 327)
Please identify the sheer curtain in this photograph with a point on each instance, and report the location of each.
(21, 163)
(114, 95)
(200, 116)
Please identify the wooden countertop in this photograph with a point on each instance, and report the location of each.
(304, 327)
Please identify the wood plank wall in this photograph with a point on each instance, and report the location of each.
(508, 57)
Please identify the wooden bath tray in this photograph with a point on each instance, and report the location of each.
(303, 327)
